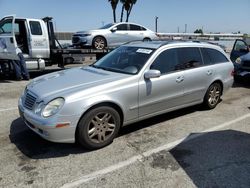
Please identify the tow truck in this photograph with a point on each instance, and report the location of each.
(36, 38)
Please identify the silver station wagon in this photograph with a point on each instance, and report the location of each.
(133, 82)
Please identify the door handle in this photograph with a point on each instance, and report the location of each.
(209, 72)
(179, 79)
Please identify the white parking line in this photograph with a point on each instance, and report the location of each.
(136, 158)
(8, 109)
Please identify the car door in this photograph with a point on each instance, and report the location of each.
(240, 48)
(197, 76)
(119, 35)
(8, 43)
(39, 44)
(135, 32)
(165, 92)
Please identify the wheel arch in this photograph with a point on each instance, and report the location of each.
(147, 38)
(107, 103)
(221, 84)
(99, 36)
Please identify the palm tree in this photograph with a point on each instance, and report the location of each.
(128, 8)
(114, 5)
(123, 6)
(127, 5)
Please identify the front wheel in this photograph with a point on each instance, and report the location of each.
(98, 127)
(99, 43)
(212, 97)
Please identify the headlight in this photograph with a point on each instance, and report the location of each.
(53, 107)
(238, 60)
(85, 35)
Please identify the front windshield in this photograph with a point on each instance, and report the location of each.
(125, 59)
(106, 26)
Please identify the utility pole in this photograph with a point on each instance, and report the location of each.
(185, 28)
(156, 24)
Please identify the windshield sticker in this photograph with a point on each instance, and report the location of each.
(145, 51)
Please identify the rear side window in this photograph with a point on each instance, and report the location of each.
(35, 28)
(135, 27)
(211, 56)
(188, 58)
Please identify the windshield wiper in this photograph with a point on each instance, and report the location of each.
(109, 69)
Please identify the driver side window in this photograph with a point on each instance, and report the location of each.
(166, 61)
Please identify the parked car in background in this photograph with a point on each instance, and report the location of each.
(112, 35)
(240, 56)
(133, 82)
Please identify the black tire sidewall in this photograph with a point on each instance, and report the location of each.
(82, 134)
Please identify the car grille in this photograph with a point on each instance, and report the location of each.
(246, 64)
(29, 100)
(75, 39)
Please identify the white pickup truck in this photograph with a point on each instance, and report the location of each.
(36, 39)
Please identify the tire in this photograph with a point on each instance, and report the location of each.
(212, 97)
(99, 43)
(98, 127)
(146, 40)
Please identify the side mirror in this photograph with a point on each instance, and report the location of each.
(152, 74)
(114, 29)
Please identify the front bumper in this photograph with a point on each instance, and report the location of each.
(47, 127)
(84, 41)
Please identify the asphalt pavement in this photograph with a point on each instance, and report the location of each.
(191, 147)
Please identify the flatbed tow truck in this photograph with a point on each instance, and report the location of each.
(36, 38)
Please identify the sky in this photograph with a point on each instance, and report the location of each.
(223, 16)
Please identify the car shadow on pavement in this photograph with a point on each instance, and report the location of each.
(160, 118)
(215, 159)
(35, 147)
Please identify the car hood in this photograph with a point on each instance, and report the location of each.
(76, 79)
(90, 31)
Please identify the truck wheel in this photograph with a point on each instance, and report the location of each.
(98, 127)
(99, 43)
(212, 97)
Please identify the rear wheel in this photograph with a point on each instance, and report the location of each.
(98, 127)
(146, 40)
(212, 97)
(99, 43)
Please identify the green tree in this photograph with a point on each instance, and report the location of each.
(114, 5)
(198, 31)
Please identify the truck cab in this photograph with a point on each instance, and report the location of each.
(30, 35)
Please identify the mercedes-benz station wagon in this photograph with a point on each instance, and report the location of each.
(133, 82)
